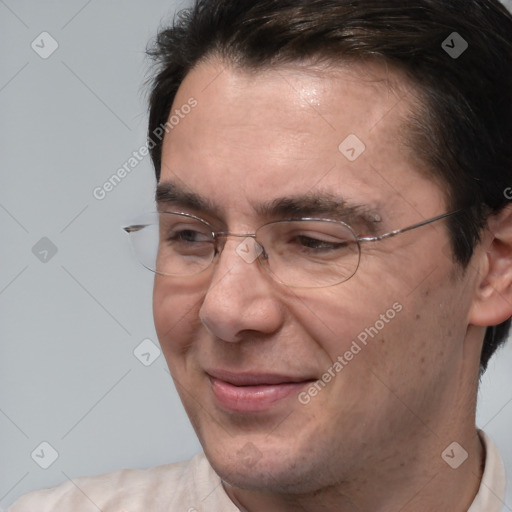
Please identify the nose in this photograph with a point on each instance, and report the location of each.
(241, 296)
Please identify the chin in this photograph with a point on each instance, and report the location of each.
(246, 465)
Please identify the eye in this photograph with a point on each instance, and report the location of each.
(181, 231)
(187, 240)
(320, 243)
(314, 239)
(188, 235)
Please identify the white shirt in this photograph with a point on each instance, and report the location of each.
(193, 486)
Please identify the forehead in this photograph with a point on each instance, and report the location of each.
(255, 136)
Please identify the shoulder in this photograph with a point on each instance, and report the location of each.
(127, 490)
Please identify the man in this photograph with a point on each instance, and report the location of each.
(333, 256)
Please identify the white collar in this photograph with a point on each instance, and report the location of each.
(491, 495)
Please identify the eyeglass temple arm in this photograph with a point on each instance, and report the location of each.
(134, 228)
(408, 228)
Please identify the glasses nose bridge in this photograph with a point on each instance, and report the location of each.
(218, 235)
(227, 234)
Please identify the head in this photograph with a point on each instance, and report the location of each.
(277, 88)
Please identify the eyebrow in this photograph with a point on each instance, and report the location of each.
(171, 193)
(318, 204)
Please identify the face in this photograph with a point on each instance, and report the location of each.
(277, 379)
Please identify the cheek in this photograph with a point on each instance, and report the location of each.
(175, 312)
(353, 311)
(396, 328)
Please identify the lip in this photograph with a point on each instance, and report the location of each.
(253, 392)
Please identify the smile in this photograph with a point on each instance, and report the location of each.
(253, 392)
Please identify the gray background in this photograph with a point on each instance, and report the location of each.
(70, 321)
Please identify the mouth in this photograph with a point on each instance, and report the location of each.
(253, 392)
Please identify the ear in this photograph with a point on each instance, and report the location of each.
(492, 303)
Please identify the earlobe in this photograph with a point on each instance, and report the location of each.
(493, 294)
